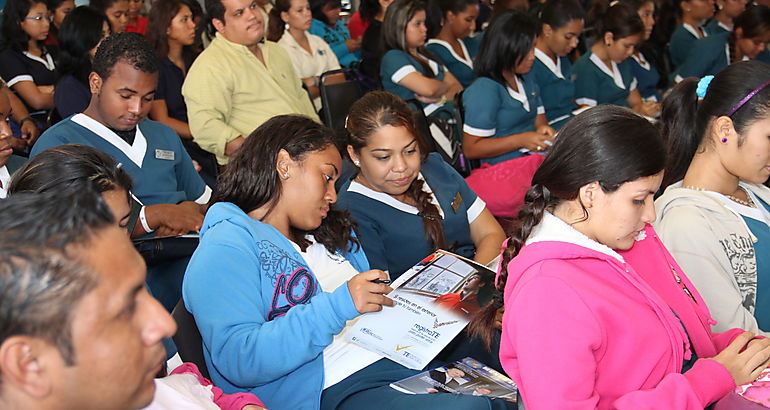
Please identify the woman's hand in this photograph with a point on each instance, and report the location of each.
(353, 44)
(536, 141)
(426, 100)
(546, 130)
(367, 295)
(650, 108)
(745, 358)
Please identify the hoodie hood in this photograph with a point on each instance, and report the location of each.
(229, 212)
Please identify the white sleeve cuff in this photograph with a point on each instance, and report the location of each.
(678, 79)
(18, 79)
(205, 196)
(479, 132)
(634, 83)
(402, 72)
(541, 110)
(586, 101)
(476, 209)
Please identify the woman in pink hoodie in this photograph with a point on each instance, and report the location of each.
(597, 312)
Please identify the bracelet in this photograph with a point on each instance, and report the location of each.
(27, 118)
(143, 221)
(442, 101)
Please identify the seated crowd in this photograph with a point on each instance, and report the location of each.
(167, 158)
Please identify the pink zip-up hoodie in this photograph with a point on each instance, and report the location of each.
(586, 327)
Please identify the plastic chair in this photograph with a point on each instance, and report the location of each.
(188, 338)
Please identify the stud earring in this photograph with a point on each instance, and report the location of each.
(285, 176)
(357, 163)
(724, 140)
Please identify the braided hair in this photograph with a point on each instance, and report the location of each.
(606, 144)
(378, 109)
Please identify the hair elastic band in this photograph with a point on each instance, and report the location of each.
(703, 86)
(614, 2)
(746, 99)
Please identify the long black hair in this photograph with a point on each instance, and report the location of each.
(80, 32)
(685, 120)
(14, 12)
(251, 179)
(606, 144)
(507, 41)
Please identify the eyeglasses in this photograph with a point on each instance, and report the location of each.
(39, 18)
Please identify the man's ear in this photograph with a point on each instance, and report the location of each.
(94, 83)
(218, 24)
(25, 365)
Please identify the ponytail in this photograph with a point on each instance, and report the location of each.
(275, 25)
(537, 200)
(739, 92)
(618, 18)
(678, 128)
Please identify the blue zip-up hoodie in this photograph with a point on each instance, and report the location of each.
(262, 315)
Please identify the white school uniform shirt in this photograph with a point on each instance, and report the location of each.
(306, 64)
(5, 180)
(342, 358)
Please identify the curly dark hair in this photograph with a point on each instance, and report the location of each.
(131, 48)
(250, 182)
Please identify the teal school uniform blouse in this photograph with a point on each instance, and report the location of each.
(647, 77)
(391, 231)
(708, 56)
(556, 88)
(714, 26)
(682, 42)
(761, 230)
(397, 64)
(494, 110)
(461, 68)
(595, 84)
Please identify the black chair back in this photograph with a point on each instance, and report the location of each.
(337, 98)
(188, 339)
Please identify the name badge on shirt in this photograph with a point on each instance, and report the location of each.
(164, 154)
(457, 202)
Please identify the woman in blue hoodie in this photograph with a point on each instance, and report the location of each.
(276, 277)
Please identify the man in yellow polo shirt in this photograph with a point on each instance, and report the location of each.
(239, 81)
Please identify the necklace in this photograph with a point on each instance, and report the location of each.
(750, 203)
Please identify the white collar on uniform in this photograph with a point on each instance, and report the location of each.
(288, 40)
(134, 152)
(639, 58)
(465, 60)
(555, 68)
(521, 95)
(694, 32)
(47, 61)
(552, 229)
(393, 202)
(613, 72)
(5, 179)
(724, 26)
